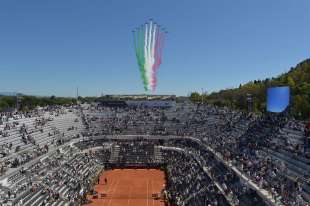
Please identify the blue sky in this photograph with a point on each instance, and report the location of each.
(50, 47)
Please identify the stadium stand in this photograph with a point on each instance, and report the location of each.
(211, 156)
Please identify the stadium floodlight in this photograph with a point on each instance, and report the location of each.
(278, 99)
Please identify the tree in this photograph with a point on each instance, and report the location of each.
(3, 105)
(290, 82)
(195, 97)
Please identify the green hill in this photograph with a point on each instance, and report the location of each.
(30, 102)
(298, 78)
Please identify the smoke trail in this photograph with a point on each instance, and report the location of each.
(155, 57)
(142, 57)
(149, 56)
(139, 54)
(148, 43)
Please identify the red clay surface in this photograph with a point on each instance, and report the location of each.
(129, 187)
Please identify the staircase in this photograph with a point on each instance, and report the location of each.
(158, 155)
(115, 154)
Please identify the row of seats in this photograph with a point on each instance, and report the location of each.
(29, 136)
(266, 148)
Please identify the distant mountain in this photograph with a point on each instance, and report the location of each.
(10, 94)
(298, 78)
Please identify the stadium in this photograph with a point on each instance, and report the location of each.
(187, 154)
(154, 103)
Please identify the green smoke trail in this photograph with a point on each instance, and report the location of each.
(138, 44)
(142, 57)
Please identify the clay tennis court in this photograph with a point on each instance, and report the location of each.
(129, 187)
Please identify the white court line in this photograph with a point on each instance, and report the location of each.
(152, 191)
(107, 193)
(147, 192)
(114, 189)
(130, 191)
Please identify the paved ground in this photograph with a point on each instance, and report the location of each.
(129, 187)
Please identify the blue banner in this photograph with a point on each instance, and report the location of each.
(278, 99)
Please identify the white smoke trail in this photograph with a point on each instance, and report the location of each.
(145, 42)
(146, 57)
(153, 55)
(148, 61)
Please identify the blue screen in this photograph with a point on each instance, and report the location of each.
(278, 99)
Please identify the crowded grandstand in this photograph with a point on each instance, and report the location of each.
(54, 155)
